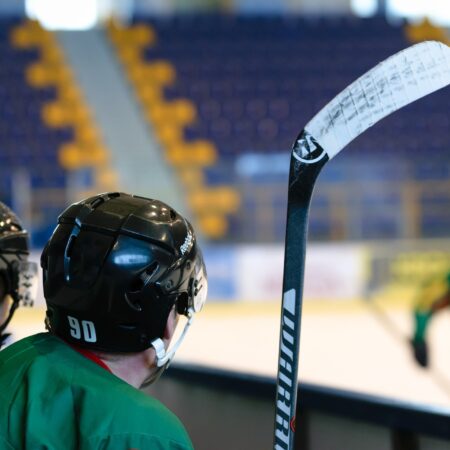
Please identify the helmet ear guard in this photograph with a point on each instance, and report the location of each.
(191, 292)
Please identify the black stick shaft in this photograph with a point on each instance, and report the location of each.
(307, 160)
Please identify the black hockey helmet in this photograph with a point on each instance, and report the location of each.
(113, 269)
(18, 276)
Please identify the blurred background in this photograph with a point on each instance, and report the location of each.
(197, 103)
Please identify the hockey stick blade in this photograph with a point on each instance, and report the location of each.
(394, 83)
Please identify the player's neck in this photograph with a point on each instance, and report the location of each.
(135, 368)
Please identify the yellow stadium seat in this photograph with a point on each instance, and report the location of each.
(143, 35)
(199, 200)
(69, 93)
(213, 225)
(204, 150)
(54, 115)
(158, 113)
(161, 72)
(223, 199)
(40, 74)
(185, 111)
(197, 153)
(78, 113)
(129, 55)
(37, 75)
(106, 179)
(176, 156)
(149, 94)
(52, 55)
(30, 34)
(20, 38)
(62, 75)
(191, 177)
(179, 112)
(169, 134)
(228, 198)
(70, 157)
(425, 31)
(86, 134)
(95, 155)
(136, 73)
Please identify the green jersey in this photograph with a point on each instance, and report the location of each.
(53, 398)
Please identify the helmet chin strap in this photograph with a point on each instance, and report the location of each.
(164, 357)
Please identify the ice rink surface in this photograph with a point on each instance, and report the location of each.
(348, 345)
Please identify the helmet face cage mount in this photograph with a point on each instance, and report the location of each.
(115, 267)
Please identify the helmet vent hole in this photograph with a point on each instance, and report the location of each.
(97, 202)
(144, 277)
(128, 326)
(136, 285)
(173, 214)
(149, 272)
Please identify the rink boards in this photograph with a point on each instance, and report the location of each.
(358, 346)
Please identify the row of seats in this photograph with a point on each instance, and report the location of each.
(257, 81)
(169, 119)
(217, 88)
(46, 132)
(25, 143)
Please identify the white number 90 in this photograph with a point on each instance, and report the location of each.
(85, 331)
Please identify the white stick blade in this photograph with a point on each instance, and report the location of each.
(399, 80)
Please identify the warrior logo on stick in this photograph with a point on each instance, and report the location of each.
(307, 150)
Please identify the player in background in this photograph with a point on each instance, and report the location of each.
(434, 296)
(18, 277)
(119, 271)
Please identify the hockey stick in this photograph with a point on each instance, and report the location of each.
(399, 80)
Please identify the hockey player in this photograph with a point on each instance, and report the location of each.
(118, 272)
(433, 297)
(18, 277)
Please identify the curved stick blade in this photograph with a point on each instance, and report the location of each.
(398, 81)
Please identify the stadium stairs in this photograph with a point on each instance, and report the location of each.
(168, 119)
(133, 150)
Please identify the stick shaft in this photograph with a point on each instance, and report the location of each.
(399, 80)
(302, 177)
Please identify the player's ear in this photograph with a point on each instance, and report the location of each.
(171, 324)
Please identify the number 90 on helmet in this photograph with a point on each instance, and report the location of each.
(114, 268)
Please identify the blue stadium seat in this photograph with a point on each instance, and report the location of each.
(25, 142)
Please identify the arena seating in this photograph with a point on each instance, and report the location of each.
(168, 119)
(226, 96)
(255, 81)
(48, 139)
(25, 140)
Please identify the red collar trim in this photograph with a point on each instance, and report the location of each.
(92, 356)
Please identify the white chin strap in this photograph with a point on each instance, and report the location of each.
(163, 356)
